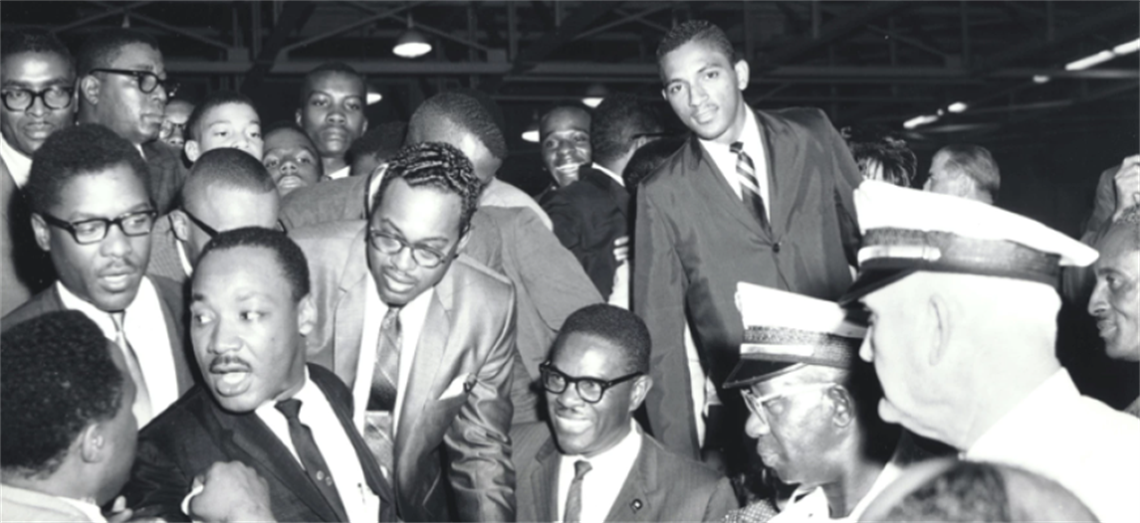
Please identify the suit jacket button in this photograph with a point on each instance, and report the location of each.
(636, 504)
(776, 247)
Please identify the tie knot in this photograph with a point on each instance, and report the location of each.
(736, 147)
(392, 316)
(581, 467)
(117, 318)
(290, 407)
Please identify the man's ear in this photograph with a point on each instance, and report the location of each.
(193, 151)
(89, 88)
(664, 94)
(641, 386)
(92, 443)
(306, 315)
(364, 128)
(297, 118)
(41, 232)
(843, 407)
(937, 327)
(179, 224)
(463, 240)
(742, 72)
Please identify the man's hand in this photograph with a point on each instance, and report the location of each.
(1127, 181)
(231, 492)
(621, 249)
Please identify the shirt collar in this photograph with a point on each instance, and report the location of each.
(19, 165)
(103, 318)
(625, 450)
(616, 177)
(183, 258)
(88, 508)
(306, 395)
(750, 135)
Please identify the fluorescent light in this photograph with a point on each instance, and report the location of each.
(957, 107)
(1089, 61)
(1127, 47)
(530, 135)
(1041, 79)
(373, 97)
(920, 120)
(592, 101)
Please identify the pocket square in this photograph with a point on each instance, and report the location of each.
(460, 385)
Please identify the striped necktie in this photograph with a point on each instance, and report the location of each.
(382, 402)
(749, 187)
(142, 408)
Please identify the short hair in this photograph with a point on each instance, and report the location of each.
(78, 150)
(614, 324)
(696, 30)
(290, 259)
(617, 122)
(289, 125)
(876, 146)
(58, 377)
(103, 47)
(325, 68)
(1128, 223)
(648, 159)
(381, 142)
(437, 165)
(228, 168)
(212, 101)
(34, 40)
(976, 162)
(453, 112)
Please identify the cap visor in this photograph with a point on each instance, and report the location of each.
(750, 371)
(870, 281)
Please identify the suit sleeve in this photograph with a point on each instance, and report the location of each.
(659, 287)
(157, 485)
(572, 229)
(478, 442)
(847, 178)
(722, 501)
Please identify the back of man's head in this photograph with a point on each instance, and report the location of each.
(974, 162)
(58, 378)
(34, 40)
(76, 151)
(615, 324)
(648, 159)
(444, 115)
(617, 125)
(375, 147)
(101, 48)
(229, 169)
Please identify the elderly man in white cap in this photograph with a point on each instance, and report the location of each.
(963, 307)
(812, 406)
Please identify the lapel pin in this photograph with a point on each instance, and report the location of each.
(636, 504)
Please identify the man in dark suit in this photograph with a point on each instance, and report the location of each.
(123, 87)
(592, 216)
(599, 465)
(92, 214)
(423, 336)
(756, 196)
(260, 404)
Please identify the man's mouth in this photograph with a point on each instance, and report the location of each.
(38, 130)
(568, 421)
(396, 282)
(117, 278)
(704, 115)
(290, 181)
(231, 376)
(1106, 327)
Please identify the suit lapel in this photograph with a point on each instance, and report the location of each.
(430, 352)
(634, 501)
(544, 482)
(349, 315)
(718, 189)
(787, 187)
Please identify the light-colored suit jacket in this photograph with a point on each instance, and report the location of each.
(469, 335)
(662, 486)
(17, 504)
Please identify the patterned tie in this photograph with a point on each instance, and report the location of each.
(574, 498)
(310, 455)
(142, 407)
(749, 187)
(382, 401)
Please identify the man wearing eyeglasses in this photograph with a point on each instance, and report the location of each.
(424, 337)
(92, 214)
(37, 82)
(593, 462)
(123, 86)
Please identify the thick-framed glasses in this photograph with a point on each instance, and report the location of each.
(590, 390)
(94, 230)
(54, 97)
(147, 80)
(212, 232)
(758, 405)
(389, 244)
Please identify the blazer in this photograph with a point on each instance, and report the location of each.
(164, 258)
(167, 174)
(588, 216)
(695, 240)
(661, 486)
(469, 336)
(18, 504)
(194, 433)
(170, 297)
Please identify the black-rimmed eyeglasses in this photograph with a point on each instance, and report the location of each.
(94, 230)
(590, 390)
(147, 80)
(54, 97)
(391, 245)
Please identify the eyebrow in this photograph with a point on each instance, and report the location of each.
(443, 239)
(81, 216)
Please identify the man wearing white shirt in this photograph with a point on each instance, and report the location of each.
(250, 311)
(592, 462)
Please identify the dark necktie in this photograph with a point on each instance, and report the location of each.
(749, 187)
(574, 498)
(142, 408)
(310, 455)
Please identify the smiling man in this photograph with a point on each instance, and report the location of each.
(564, 135)
(92, 214)
(1115, 301)
(332, 113)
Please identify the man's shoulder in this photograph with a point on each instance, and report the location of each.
(688, 472)
(18, 504)
(42, 302)
(590, 187)
(809, 119)
(332, 200)
(328, 232)
(676, 167)
(182, 419)
(468, 273)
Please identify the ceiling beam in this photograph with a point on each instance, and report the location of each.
(292, 17)
(839, 27)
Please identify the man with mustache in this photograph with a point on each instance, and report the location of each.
(37, 78)
(332, 113)
(123, 86)
(92, 214)
(259, 404)
(756, 196)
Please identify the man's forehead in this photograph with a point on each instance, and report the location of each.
(331, 82)
(287, 140)
(699, 55)
(566, 120)
(35, 67)
(230, 112)
(136, 56)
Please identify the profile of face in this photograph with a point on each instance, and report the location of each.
(105, 273)
(706, 90)
(174, 123)
(291, 160)
(119, 102)
(1115, 301)
(942, 181)
(565, 136)
(23, 74)
(117, 437)
(234, 125)
(222, 209)
(425, 219)
(246, 328)
(793, 420)
(584, 428)
(333, 114)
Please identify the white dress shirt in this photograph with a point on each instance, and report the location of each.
(615, 176)
(1079, 442)
(343, 172)
(502, 194)
(412, 318)
(148, 334)
(360, 503)
(89, 509)
(725, 159)
(18, 164)
(602, 484)
(812, 505)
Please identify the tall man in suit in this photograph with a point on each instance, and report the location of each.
(756, 196)
(37, 75)
(592, 462)
(260, 404)
(92, 214)
(123, 87)
(424, 336)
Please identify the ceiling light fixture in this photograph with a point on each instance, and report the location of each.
(1104, 56)
(594, 95)
(920, 120)
(373, 97)
(412, 43)
(531, 133)
(1041, 79)
(957, 107)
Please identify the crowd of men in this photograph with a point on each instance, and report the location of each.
(207, 318)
